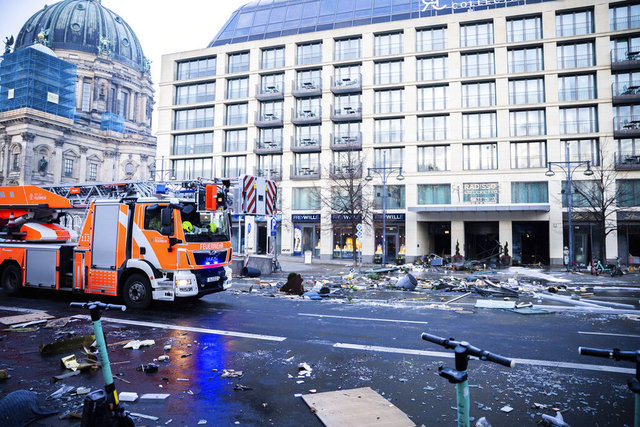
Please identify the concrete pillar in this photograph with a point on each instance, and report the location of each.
(251, 234)
(411, 237)
(457, 235)
(505, 230)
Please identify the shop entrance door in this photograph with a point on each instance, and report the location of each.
(481, 241)
(308, 238)
(262, 239)
(392, 246)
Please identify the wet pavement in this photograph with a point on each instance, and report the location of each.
(364, 337)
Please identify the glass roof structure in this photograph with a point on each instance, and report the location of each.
(265, 19)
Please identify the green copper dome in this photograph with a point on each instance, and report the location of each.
(85, 26)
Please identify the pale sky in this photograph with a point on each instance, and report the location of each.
(162, 26)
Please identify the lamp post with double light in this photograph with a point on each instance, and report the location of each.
(384, 171)
(569, 167)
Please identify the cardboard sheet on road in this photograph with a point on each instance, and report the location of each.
(24, 318)
(354, 408)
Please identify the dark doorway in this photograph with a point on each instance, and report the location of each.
(262, 239)
(530, 242)
(481, 241)
(439, 239)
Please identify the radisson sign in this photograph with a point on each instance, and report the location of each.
(463, 4)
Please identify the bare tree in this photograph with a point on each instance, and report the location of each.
(599, 201)
(348, 195)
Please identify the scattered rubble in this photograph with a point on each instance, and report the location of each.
(136, 344)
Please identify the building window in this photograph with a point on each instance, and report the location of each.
(192, 168)
(308, 107)
(627, 148)
(347, 49)
(309, 79)
(526, 91)
(576, 55)
(574, 23)
(578, 120)
(272, 83)
(582, 195)
(433, 128)
(236, 114)
(271, 137)
(527, 122)
(309, 53)
(434, 38)
(123, 104)
(388, 157)
(395, 197)
(193, 143)
(238, 88)
(15, 162)
(433, 158)
(192, 94)
(525, 155)
(68, 167)
(477, 64)
(432, 98)
(581, 150)
(529, 192)
(434, 194)
(347, 132)
(525, 60)
(577, 87)
(476, 34)
(628, 192)
(524, 29)
(310, 134)
(479, 125)
(235, 140)
(625, 83)
(194, 118)
(388, 44)
(305, 199)
(388, 130)
(272, 58)
(349, 104)
(624, 17)
(234, 166)
(478, 94)
(93, 171)
(307, 164)
(349, 74)
(432, 68)
(86, 96)
(238, 62)
(388, 72)
(197, 68)
(270, 166)
(626, 49)
(480, 156)
(271, 110)
(388, 101)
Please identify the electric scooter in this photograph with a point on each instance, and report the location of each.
(101, 407)
(458, 376)
(627, 356)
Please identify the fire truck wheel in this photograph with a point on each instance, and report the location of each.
(11, 280)
(136, 292)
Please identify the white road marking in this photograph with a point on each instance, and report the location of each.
(608, 334)
(188, 328)
(20, 309)
(450, 355)
(362, 318)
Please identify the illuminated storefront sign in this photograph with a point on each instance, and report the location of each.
(481, 192)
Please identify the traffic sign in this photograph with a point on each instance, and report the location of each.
(359, 234)
(359, 227)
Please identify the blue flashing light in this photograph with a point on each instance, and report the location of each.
(161, 188)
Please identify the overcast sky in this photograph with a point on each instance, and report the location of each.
(162, 26)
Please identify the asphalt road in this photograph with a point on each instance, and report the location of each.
(372, 340)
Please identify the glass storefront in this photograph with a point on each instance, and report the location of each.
(306, 234)
(395, 238)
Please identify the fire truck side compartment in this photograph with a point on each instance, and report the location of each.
(41, 266)
(105, 237)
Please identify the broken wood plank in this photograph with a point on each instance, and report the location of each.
(457, 298)
(23, 318)
(356, 407)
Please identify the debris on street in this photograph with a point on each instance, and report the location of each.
(136, 344)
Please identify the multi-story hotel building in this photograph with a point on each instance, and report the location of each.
(471, 99)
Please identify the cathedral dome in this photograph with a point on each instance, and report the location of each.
(85, 26)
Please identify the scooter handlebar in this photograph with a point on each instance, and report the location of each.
(613, 353)
(97, 304)
(469, 349)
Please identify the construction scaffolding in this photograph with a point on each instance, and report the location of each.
(34, 77)
(112, 122)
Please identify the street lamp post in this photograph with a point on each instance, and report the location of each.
(384, 172)
(569, 167)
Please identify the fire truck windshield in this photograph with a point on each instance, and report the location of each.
(205, 226)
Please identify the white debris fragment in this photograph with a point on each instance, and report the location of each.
(127, 396)
(506, 408)
(557, 421)
(136, 344)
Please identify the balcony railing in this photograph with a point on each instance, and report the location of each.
(270, 119)
(528, 129)
(579, 126)
(570, 30)
(235, 119)
(388, 136)
(268, 146)
(624, 23)
(627, 160)
(625, 58)
(479, 101)
(311, 171)
(345, 171)
(524, 35)
(346, 142)
(388, 78)
(577, 94)
(237, 93)
(525, 66)
(347, 53)
(526, 97)
(306, 144)
(626, 126)
(307, 87)
(271, 173)
(302, 116)
(350, 84)
(269, 91)
(436, 43)
(347, 113)
(388, 49)
(626, 92)
(388, 107)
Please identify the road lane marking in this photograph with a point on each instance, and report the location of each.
(187, 328)
(20, 309)
(361, 318)
(609, 334)
(450, 355)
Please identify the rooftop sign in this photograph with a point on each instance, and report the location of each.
(463, 4)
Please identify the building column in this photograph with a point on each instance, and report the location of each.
(457, 235)
(411, 237)
(505, 234)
